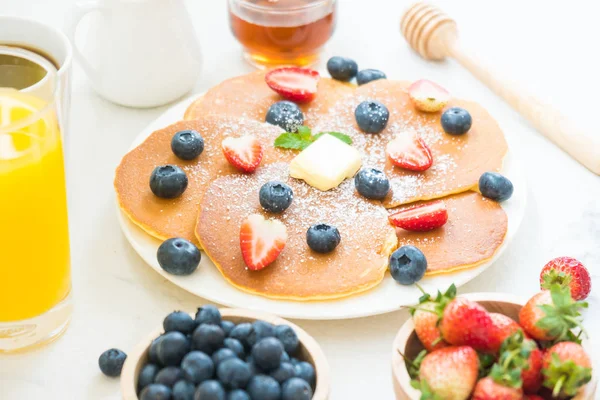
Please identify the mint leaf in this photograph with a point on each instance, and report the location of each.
(305, 132)
(344, 138)
(291, 141)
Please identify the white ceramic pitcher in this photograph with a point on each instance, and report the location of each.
(137, 53)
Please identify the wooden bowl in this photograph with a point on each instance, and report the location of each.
(309, 351)
(408, 343)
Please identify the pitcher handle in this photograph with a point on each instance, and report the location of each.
(78, 11)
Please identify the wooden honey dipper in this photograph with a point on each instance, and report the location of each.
(434, 35)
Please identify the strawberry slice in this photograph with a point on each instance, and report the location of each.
(294, 83)
(421, 218)
(261, 241)
(409, 151)
(245, 153)
(428, 96)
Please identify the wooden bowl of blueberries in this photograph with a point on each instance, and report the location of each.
(226, 354)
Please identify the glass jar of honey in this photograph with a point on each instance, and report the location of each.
(282, 32)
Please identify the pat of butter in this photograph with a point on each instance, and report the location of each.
(326, 163)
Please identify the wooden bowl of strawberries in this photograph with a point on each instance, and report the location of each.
(494, 346)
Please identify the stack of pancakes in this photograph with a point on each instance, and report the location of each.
(219, 197)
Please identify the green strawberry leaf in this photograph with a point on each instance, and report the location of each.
(426, 391)
(565, 378)
(554, 277)
(344, 138)
(485, 364)
(562, 315)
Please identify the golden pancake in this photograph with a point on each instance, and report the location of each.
(248, 96)
(475, 230)
(167, 218)
(358, 263)
(458, 161)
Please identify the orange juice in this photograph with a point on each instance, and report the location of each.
(34, 239)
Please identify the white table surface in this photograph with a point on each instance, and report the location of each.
(548, 47)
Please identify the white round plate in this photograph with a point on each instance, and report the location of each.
(388, 296)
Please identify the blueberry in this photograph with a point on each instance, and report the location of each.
(172, 348)
(285, 357)
(111, 362)
(342, 68)
(262, 387)
(288, 337)
(221, 355)
(296, 389)
(275, 196)
(456, 121)
(153, 351)
(306, 371)
(267, 353)
(236, 346)
(238, 394)
(210, 390)
(179, 321)
(183, 390)
(168, 181)
(208, 338)
(323, 238)
(227, 326)
(260, 330)
(255, 369)
(208, 314)
(372, 183)
(495, 186)
(168, 376)
(286, 115)
(197, 367)
(368, 75)
(178, 256)
(147, 375)
(294, 361)
(371, 116)
(285, 371)
(234, 373)
(241, 332)
(156, 391)
(187, 144)
(408, 265)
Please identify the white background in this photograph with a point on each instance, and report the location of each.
(548, 47)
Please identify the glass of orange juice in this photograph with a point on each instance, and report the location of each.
(35, 274)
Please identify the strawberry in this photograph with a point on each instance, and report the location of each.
(466, 323)
(532, 373)
(551, 314)
(421, 218)
(261, 241)
(448, 373)
(410, 152)
(567, 271)
(566, 368)
(428, 96)
(245, 153)
(504, 327)
(294, 83)
(427, 315)
(489, 389)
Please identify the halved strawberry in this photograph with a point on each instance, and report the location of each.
(261, 241)
(409, 151)
(294, 83)
(428, 96)
(245, 153)
(421, 218)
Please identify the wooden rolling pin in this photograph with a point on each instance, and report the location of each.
(432, 34)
